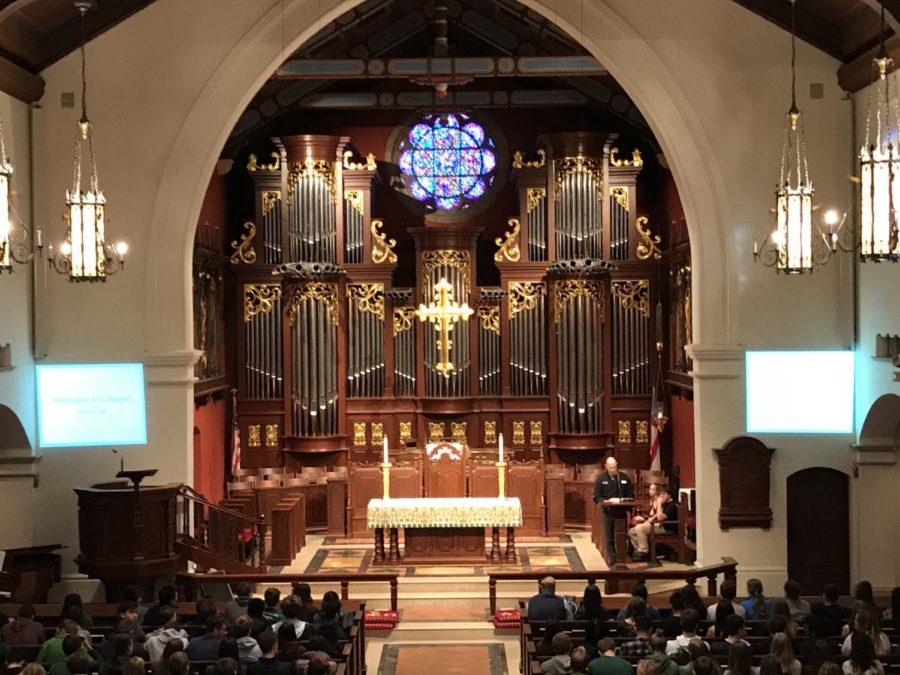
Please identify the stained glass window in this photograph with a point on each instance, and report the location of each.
(448, 161)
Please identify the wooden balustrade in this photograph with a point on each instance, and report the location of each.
(727, 569)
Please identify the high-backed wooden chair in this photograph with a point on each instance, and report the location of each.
(295, 481)
(445, 475)
(263, 484)
(677, 540)
(241, 474)
(273, 471)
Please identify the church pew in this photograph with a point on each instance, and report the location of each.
(288, 529)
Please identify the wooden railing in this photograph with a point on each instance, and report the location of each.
(191, 582)
(727, 568)
(220, 529)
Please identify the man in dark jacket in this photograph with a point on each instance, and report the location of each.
(547, 604)
(167, 596)
(24, 630)
(206, 647)
(664, 665)
(269, 664)
(611, 485)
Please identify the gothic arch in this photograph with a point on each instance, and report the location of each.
(881, 428)
(12, 434)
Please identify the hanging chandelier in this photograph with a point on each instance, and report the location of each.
(791, 247)
(15, 243)
(86, 254)
(879, 160)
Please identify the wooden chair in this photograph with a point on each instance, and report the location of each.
(240, 473)
(273, 471)
(263, 484)
(676, 540)
(240, 486)
(296, 481)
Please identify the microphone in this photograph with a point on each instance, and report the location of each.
(121, 460)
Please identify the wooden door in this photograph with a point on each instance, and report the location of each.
(818, 529)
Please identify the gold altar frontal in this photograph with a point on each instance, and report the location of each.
(440, 531)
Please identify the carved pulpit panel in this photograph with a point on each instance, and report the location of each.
(525, 480)
(744, 468)
(365, 484)
(406, 481)
(484, 482)
(445, 470)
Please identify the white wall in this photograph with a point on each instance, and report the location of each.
(167, 84)
(17, 385)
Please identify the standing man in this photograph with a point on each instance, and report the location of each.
(611, 485)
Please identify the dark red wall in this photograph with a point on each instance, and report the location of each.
(209, 449)
(682, 424)
(213, 213)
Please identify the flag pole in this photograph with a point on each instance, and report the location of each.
(235, 435)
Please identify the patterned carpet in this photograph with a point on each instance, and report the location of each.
(531, 559)
(487, 659)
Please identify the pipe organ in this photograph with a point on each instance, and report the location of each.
(560, 357)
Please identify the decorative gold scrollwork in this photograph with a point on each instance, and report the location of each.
(568, 289)
(578, 164)
(623, 432)
(620, 194)
(459, 431)
(490, 433)
(519, 163)
(270, 199)
(459, 260)
(403, 319)
(642, 431)
(382, 247)
(509, 247)
(405, 432)
(355, 199)
(536, 433)
(253, 165)
(648, 246)
(260, 299)
(435, 432)
(359, 434)
(254, 436)
(524, 295)
(518, 429)
(367, 298)
(533, 198)
(636, 159)
(316, 291)
(377, 434)
(633, 294)
(370, 164)
(311, 167)
(490, 318)
(243, 249)
(271, 435)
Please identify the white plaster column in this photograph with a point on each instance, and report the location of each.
(874, 508)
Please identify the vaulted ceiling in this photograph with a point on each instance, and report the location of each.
(36, 33)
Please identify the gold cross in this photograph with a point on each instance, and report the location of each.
(443, 312)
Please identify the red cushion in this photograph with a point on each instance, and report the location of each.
(381, 619)
(507, 616)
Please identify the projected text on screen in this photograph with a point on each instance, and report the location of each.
(91, 405)
(800, 392)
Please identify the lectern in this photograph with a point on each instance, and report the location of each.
(127, 535)
(621, 511)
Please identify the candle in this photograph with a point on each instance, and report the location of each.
(40, 241)
(500, 439)
(385, 450)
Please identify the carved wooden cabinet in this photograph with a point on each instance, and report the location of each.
(744, 468)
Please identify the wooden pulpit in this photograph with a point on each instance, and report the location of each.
(126, 536)
(445, 470)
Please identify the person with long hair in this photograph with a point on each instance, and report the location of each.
(769, 666)
(799, 607)
(740, 659)
(893, 612)
(692, 599)
(33, 669)
(74, 600)
(866, 622)
(134, 666)
(862, 659)
(821, 652)
(545, 646)
(783, 652)
(636, 607)
(724, 609)
(757, 605)
(863, 593)
(592, 611)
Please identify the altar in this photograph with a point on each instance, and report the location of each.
(444, 530)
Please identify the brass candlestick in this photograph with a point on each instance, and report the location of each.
(386, 479)
(501, 478)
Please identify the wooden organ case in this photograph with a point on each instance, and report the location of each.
(560, 357)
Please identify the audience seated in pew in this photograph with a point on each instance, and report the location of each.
(268, 663)
(134, 666)
(734, 631)
(580, 660)
(690, 621)
(303, 594)
(740, 659)
(271, 613)
(862, 659)
(205, 607)
(727, 594)
(866, 622)
(608, 663)
(53, 651)
(561, 662)
(256, 611)
(125, 629)
(154, 616)
(664, 664)
(671, 625)
(592, 611)
(169, 630)
(799, 608)
(547, 604)
(639, 590)
(295, 615)
(863, 595)
(635, 609)
(248, 648)
(783, 652)
(757, 607)
(893, 612)
(640, 645)
(73, 608)
(206, 647)
(119, 652)
(225, 666)
(72, 647)
(238, 606)
(176, 646)
(135, 594)
(545, 646)
(24, 630)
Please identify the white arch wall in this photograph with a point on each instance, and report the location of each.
(168, 83)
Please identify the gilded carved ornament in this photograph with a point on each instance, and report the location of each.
(623, 432)
(260, 299)
(648, 246)
(636, 159)
(633, 294)
(459, 431)
(317, 292)
(642, 431)
(459, 260)
(355, 199)
(271, 435)
(403, 319)
(620, 194)
(490, 433)
(254, 436)
(359, 434)
(524, 295)
(369, 165)
(509, 247)
(405, 432)
(254, 165)
(318, 168)
(382, 247)
(270, 199)
(243, 249)
(518, 162)
(377, 433)
(536, 432)
(568, 289)
(533, 198)
(435, 432)
(568, 166)
(367, 298)
(518, 432)
(490, 318)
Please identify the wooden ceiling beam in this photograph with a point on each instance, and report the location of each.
(858, 73)
(812, 27)
(891, 12)
(19, 83)
(9, 8)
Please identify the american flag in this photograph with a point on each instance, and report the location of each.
(654, 433)
(235, 438)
